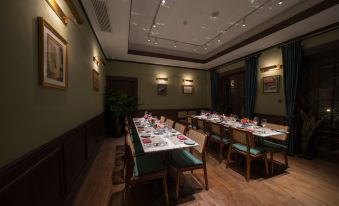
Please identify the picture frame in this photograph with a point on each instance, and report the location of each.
(96, 80)
(52, 54)
(162, 89)
(187, 89)
(271, 84)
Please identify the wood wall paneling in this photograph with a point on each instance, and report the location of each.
(52, 174)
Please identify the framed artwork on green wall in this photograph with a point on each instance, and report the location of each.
(52, 57)
(271, 84)
(187, 89)
(162, 89)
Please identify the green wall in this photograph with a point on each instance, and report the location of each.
(147, 85)
(32, 115)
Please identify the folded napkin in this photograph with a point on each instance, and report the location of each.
(146, 140)
(181, 137)
(141, 129)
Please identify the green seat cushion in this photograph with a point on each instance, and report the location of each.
(148, 164)
(135, 137)
(217, 137)
(273, 145)
(253, 151)
(191, 126)
(183, 158)
(138, 148)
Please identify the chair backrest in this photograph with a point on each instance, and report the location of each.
(200, 124)
(216, 129)
(200, 138)
(192, 112)
(162, 119)
(182, 114)
(169, 122)
(189, 120)
(243, 137)
(282, 137)
(180, 128)
(128, 142)
(129, 160)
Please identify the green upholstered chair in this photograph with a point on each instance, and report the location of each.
(190, 122)
(183, 160)
(143, 168)
(218, 135)
(276, 143)
(169, 122)
(180, 128)
(242, 142)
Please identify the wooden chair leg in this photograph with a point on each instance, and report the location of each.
(207, 147)
(229, 156)
(220, 151)
(206, 179)
(248, 168)
(164, 182)
(177, 186)
(272, 162)
(286, 160)
(266, 164)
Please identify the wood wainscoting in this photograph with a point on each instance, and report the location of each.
(52, 174)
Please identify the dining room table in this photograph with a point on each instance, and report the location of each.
(157, 137)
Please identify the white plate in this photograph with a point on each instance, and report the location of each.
(189, 142)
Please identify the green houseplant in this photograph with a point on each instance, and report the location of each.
(308, 128)
(118, 106)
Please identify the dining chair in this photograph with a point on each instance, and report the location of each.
(183, 160)
(190, 122)
(242, 142)
(276, 143)
(169, 122)
(143, 168)
(181, 116)
(162, 119)
(218, 135)
(200, 124)
(180, 128)
(134, 138)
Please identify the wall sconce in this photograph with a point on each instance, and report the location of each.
(99, 61)
(188, 80)
(58, 11)
(162, 80)
(270, 68)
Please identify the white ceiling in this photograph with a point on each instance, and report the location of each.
(186, 28)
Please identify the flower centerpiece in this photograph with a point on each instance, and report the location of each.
(146, 116)
(245, 121)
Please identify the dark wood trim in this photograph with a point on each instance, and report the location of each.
(121, 78)
(233, 71)
(165, 56)
(52, 173)
(74, 11)
(331, 46)
(136, 62)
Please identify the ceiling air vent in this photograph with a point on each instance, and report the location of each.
(101, 11)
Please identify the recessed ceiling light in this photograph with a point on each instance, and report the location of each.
(154, 26)
(205, 48)
(175, 45)
(280, 2)
(149, 40)
(163, 2)
(219, 40)
(243, 23)
(156, 42)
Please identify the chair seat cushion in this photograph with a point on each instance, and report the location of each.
(191, 126)
(253, 151)
(148, 164)
(183, 158)
(217, 137)
(273, 145)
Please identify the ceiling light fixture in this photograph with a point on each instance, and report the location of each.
(280, 2)
(156, 42)
(149, 40)
(243, 22)
(219, 40)
(154, 26)
(175, 44)
(205, 48)
(163, 2)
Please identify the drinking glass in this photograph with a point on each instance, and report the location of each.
(263, 122)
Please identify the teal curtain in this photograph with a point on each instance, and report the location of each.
(214, 88)
(292, 58)
(251, 67)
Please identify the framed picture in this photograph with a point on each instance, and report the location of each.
(162, 89)
(187, 89)
(52, 57)
(95, 80)
(271, 84)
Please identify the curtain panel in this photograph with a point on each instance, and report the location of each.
(251, 67)
(292, 59)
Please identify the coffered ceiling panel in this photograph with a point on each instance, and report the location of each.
(201, 34)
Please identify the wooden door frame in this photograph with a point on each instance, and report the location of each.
(121, 78)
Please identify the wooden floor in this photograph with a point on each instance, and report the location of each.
(305, 182)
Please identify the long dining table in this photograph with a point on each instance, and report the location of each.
(255, 129)
(156, 137)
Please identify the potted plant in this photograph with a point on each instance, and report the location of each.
(119, 106)
(309, 125)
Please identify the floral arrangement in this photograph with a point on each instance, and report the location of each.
(245, 120)
(146, 116)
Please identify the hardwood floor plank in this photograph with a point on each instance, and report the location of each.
(305, 182)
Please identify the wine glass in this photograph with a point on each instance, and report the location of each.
(263, 122)
(255, 121)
